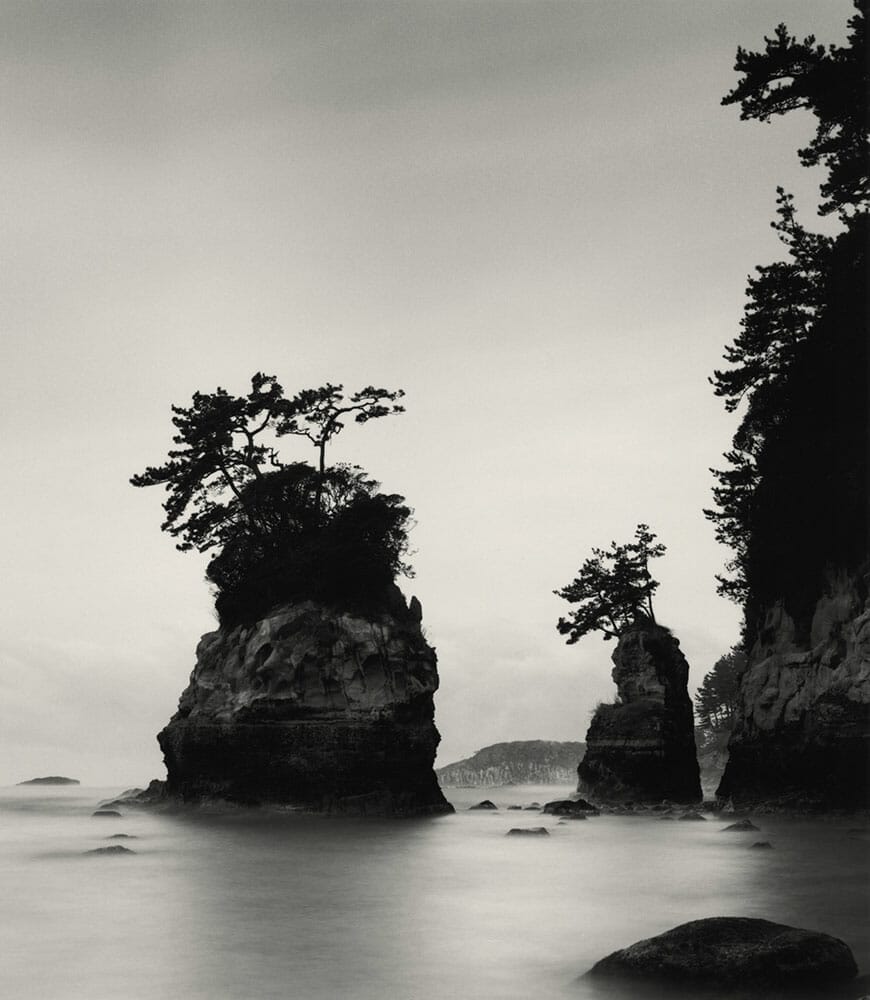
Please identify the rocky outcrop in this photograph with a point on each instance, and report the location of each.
(802, 736)
(312, 707)
(735, 952)
(642, 748)
(522, 762)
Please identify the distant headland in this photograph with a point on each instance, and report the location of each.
(52, 779)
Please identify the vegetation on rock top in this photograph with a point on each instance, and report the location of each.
(281, 530)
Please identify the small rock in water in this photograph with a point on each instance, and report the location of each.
(735, 951)
(114, 849)
(762, 843)
(486, 804)
(531, 831)
(122, 836)
(570, 807)
(515, 807)
(742, 824)
(106, 812)
(692, 815)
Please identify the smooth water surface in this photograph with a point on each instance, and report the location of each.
(247, 904)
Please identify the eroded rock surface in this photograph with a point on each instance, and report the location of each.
(642, 748)
(312, 707)
(802, 736)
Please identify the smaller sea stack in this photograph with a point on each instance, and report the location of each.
(642, 748)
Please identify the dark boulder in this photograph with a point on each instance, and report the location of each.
(735, 951)
(486, 804)
(693, 816)
(114, 849)
(570, 807)
(762, 843)
(530, 831)
(739, 826)
(106, 812)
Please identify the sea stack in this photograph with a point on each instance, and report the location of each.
(314, 707)
(642, 748)
(802, 735)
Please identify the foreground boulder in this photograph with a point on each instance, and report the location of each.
(642, 748)
(735, 951)
(312, 707)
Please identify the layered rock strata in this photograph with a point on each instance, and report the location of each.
(642, 748)
(312, 707)
(802, 735)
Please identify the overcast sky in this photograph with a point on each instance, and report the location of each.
(533, 217)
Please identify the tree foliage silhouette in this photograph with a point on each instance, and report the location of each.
(791, 502)
(281, 530)
(612, 589)
(716, 698)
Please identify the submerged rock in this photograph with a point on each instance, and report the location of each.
(803, 713)
(692, 816)
(107, 812)
(114, 849)
(735, 951)
(486, 804)
(740, 825)
(530, 831)
(762, 843)
(314, 707)
(643, 747)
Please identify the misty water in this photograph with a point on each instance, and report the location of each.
(250, 904)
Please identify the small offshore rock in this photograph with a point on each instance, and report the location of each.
(122, 836)
(762, 843)
(692, 815)
(486, 804)
(735, 951)
(570, 807)
(742, 824)
(515, 807)
(114, 849)
(530, 831)
(106, 812)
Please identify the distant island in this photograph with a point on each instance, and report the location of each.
(524, 762)
(52, 779)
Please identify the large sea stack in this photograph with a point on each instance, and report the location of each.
(802, 737)
(315, 707)
(642, 748)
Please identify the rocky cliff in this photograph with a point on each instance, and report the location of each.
(522, 762)
(802, 736)
(642, 748)
(312, 707)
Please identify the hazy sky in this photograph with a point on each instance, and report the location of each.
(533, 217)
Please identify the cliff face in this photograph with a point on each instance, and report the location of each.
(802, 736)
(643, 747)
(523, 762)
(311, 707)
